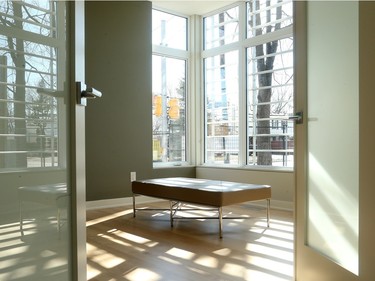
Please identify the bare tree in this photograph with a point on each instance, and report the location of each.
(265, 63)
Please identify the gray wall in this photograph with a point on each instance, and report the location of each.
(119, 125)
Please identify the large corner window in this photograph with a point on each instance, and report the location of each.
(169, 68)
(247, 105)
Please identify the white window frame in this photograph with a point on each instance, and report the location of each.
(182, 55)
(241, 46)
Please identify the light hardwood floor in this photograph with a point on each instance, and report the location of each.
(146, 248)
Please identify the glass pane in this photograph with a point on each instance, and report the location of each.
(333, 131)
(169, 30)
(268, 16)
(222, 108)
(221, 29)
(37, 17)
(168, 112)
(28, 75)
(270, 102)
(34, 198)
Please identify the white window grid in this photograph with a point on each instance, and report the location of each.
(242, 45)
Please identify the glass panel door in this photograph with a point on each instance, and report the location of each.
(333, 132)
(35, 200)
(327, 154)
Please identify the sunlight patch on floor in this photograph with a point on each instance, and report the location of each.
(272, 241)
(108, 217)
(107, 260)
(207, 261)
(223, 252)
(271, 265)
(234, 270)
(180, 253)
(131, 237)
(121, 242)
(256, 275)
(92, 272)
(173, 261)
(142, 274)
(270, 251)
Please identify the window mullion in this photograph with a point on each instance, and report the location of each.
(268, 37)
(243, 120)
(175, 53)
(195, 108)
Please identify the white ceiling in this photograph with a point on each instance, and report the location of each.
(194, 7)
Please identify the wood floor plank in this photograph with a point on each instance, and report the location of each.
(120, 247)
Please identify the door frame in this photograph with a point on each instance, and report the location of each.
(77, 141)
(309, 264)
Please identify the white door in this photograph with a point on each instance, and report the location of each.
(42, 162)
(333, 221)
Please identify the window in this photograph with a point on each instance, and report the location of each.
(247, 105)
(222, 108)
(169, 68)
(28, 80)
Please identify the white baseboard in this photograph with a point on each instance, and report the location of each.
(128, 201)
(118, 202)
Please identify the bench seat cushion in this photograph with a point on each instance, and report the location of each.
(201, 191)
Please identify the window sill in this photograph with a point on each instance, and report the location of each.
(31, 170)
(248, 168)
(172, 165)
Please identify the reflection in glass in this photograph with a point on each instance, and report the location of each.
(34, 226)
(29, 85)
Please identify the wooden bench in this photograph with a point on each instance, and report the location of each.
(205, 192)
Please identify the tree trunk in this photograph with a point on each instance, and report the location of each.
(265, 83)
(19, 95)
(263, 126)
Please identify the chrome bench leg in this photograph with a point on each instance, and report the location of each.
(221, 222)
(133, 205)
(21, 218)
(171, 204)
(268, 211)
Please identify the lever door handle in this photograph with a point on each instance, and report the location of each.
(91, 93)
(84, 92)
(298, 117)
